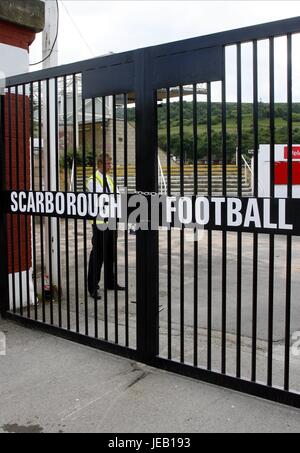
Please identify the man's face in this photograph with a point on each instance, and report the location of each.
(108, 166)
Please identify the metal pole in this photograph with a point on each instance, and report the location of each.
(49, 37)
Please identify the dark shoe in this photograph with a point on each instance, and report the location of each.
(118, 288)
(96, 295)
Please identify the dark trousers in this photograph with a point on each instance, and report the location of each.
(102, 251)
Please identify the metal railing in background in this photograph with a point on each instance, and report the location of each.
(248, 171)
(162, 179)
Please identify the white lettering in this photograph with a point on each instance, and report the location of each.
(49, 205)
(218, 204)
(93, 204)
(202, 210)
(234, 216)
(185, 210)
(30, 203)
(81, 205)
(103, 206)
(170, 208)
(40, 202)
(115, 206)
(252, 214)
(71, 204)
(14, 203)
(22, 197)
(60, 203)
(267, 215)
(282, 216)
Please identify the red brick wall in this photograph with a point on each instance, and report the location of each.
(17, 158)
(15, 35)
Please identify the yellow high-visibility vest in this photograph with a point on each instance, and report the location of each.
(99, 179)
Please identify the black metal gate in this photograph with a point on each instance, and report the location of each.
(222, 309)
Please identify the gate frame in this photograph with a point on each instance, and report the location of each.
(4, 277)
(142, 75)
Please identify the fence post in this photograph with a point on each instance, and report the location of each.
(4, 285)
(146, 181)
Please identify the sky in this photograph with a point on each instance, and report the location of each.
(115, 26)
(92, 28)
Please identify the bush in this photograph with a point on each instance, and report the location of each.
(79, 158)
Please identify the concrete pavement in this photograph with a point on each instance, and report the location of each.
(51, 385)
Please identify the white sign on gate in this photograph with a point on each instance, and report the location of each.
(280, 171)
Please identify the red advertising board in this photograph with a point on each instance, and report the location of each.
(281, 173)
(295, 152)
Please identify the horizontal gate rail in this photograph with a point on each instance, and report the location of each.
(230, 382)
(76, 337)
(247, 34)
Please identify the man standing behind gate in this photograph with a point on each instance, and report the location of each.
(103, 241)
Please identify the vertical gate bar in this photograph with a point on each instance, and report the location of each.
(224, 234)
(209, 232)
(66, 190)
(49, 251)
(182, 169)
(18, 177)
(32, 170)
(106, 232)
(41, 189)
(159, 191)
(4, 279)
(95, 257)
(25, 186)
(290, 112)
(57, 154)
(255, 235)
(196, 261)
(169, 259)
(272, 237)
(239, 234)
(147, 249)
(239, 118)
(12, 187)
(289, 237)
(75, 145)
(84, 163)
(115, 243)
(288, 315)
(125, 100)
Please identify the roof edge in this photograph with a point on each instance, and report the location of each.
(28, 14)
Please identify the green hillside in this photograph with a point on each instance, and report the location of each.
(281, 114)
